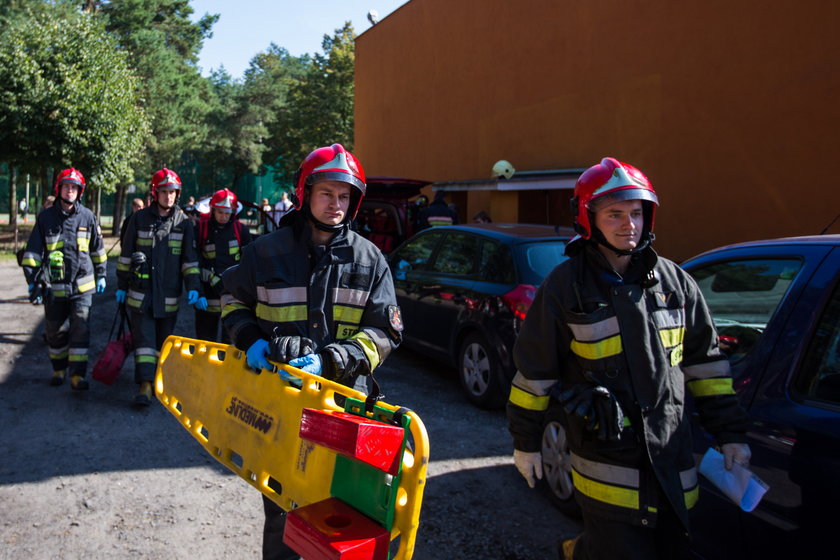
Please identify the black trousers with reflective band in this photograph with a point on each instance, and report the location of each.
(67, 330)
(148, 332)
(605, 539)
(275, 524)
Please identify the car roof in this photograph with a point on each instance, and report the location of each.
(833, 239)
(517, 231)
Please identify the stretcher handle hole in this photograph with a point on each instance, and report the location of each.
(337, 521)
(274, 485)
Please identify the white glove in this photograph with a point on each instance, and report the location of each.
(735, 453)
(529, 465)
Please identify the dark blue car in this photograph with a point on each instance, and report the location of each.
(776, 305)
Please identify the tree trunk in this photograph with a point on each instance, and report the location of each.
(119, 205)
(97, 204)
(13, 203)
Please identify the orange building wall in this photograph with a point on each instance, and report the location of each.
(731, 108)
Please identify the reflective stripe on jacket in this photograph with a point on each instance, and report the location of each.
(169, 246)
(78, 237)
(645, 337)
(340, 292)
(221, 250)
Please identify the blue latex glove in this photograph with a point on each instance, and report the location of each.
(100, 285)
(201, 303)
(120, 295)
(311, 363)
(257, 355)
(192, 297)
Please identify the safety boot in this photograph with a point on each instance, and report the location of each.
(144, 397)
(57, 377)
(78, 383)
(566, 547)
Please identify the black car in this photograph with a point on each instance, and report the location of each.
(464, 291)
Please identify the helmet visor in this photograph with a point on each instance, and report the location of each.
(620, 195)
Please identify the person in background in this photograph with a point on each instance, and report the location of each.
(157, 255)
(283, 206)
(221, 237)
(191, 211)
(266, 216)
(67, 243)
(48, 202)
(616, 334)
(438, 213)
(481, 217)
(314, 294)
(136, 205)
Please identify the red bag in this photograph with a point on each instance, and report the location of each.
(110, 362)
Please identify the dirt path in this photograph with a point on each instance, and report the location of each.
(85, 475)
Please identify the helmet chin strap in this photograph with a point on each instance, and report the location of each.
(320, 225)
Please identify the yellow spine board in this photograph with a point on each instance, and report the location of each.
(250, 423)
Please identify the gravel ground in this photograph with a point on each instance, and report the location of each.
(87, 475)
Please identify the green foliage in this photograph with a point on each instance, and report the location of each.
(163, 45)
(68, 96)
(318, 108)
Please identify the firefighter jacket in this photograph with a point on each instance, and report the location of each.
(219, 248)
(645, 337)
(78, 239)
(438, 214)
(167, 244)
(339, 295)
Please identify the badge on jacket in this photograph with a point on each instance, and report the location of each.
(395, 317)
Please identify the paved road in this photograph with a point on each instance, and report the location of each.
(86, 475)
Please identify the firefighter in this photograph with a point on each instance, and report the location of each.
(65, 251)
(159, 254)
(313, 293)
(220, 238)
(629, 331)
(438, 213)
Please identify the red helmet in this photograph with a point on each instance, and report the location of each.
(224, 199)
(165, 178)
(332, 163)
(618, 181)
(70, 175)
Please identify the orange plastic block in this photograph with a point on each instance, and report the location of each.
(332, 530)
(369, 441)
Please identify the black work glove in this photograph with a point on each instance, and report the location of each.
(598, 408)
(285, 348)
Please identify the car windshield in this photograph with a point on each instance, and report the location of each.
(539, 258)
(742, 297)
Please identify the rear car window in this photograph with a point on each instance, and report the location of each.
(742, 297)
(496, 263)
(458, 255)
(539, 258)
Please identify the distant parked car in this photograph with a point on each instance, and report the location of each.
(464, 291)
(388, 213)
(776, 305)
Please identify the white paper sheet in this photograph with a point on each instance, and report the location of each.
(741, 485)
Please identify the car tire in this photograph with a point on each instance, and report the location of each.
(556, 482)
(479, 372)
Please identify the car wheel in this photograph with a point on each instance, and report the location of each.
(479, 372)
(556, 482)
